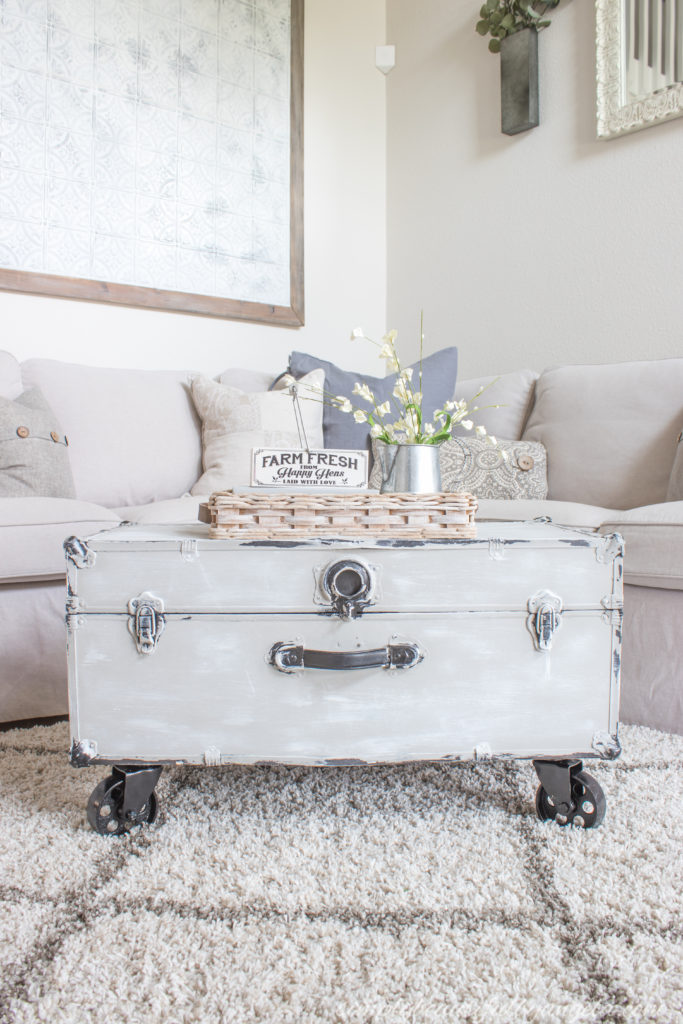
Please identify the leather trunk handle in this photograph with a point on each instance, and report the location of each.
(292, 657)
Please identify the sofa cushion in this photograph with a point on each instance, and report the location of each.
(562, 513)
(235, 421)
(176, 510)
(10, 376)
(34, 453)
(32, 532)
(133, 435)
(512, 392)
(610, 431)
(653, 536)
(340, 430)
(674, 491)
(33, 667)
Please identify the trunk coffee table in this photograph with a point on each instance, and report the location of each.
(184, 649)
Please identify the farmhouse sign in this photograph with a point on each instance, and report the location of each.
(315, 467)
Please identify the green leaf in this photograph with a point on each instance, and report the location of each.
(494, 45)
(542, 24)
(492, 4)
(482, 27)
(508, 21)
(484, 12)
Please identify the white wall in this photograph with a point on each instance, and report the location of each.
(345, 235)
(543, 248)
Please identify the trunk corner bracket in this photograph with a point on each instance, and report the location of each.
(610, 548)
(78, 552)
(606, 745)
(83, 752)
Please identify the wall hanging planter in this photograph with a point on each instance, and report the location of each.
(514, 26)
(519, 82)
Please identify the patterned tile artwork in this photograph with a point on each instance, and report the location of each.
(146, 142)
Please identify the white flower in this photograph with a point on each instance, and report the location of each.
(449, 407)
(343, 404)
(390, 337)
(360, 416)
(428, 429)
(384, 409)
(480, 431)
(376, 430)
(467, 424)
(407, 374)
(363, 391)
(357, 333)
(400, 391)
(506, 456)
(387, 352)
(490, 439)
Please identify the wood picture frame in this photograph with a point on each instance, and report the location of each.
(285, 308)
(629, 100)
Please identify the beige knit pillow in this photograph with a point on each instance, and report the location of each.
(234, 422)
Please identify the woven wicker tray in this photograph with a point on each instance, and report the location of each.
(271, 516)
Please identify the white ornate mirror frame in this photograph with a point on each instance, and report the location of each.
(628, 97)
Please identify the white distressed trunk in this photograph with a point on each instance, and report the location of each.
(207, 693)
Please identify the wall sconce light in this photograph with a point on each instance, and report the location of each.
(385, 58)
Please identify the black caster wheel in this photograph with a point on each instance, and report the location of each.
(587, 797)
(104, 808)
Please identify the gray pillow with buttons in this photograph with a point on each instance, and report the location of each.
(471, 464)
(34, 454)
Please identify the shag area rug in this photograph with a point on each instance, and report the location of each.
(420, 894)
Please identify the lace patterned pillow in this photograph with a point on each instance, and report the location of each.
(470, 464)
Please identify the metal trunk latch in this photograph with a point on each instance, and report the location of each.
(545, 610)
(349, 585)
(146, 622)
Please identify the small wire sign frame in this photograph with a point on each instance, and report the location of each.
(307, 467)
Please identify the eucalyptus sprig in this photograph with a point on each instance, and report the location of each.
(501, 18)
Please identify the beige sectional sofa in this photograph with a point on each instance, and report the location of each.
(135, 450)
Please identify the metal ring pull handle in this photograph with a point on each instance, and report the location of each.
(349, 585)
(292, 657)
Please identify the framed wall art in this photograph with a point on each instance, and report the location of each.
(151, 154)
(639, 59)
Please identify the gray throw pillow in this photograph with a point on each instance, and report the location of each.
(340, 430)
(34, 456)
(471, 464)
(675, 491)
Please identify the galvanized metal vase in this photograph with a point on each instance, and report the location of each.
(409, 468)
